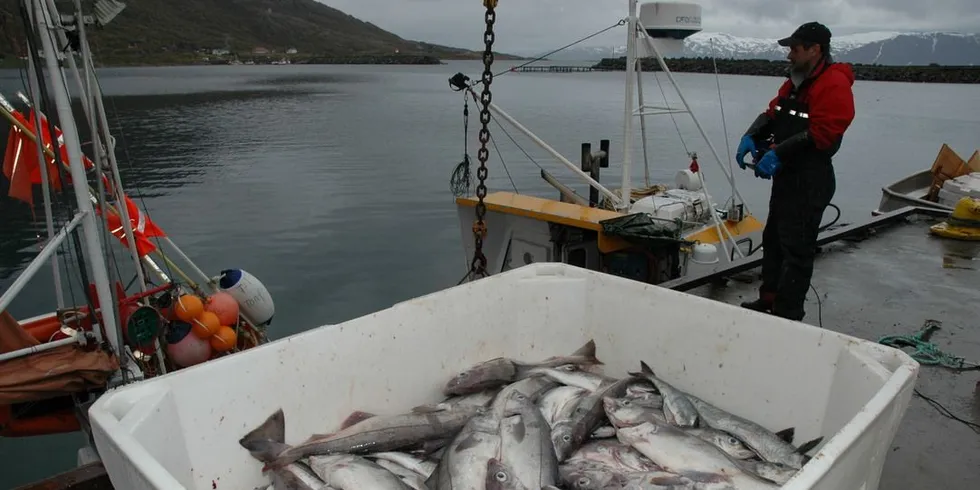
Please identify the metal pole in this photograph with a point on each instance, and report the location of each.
(33, 86)
(625, 189)
(613, 197)
(670, 76)
(36, 348)
(96, 95)
(643, 122)
(90, 227)
(49, 249)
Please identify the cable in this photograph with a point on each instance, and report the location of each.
(946, 412)
(833, 221)
(621, 22)
(819, 306)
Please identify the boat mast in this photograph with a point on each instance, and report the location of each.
(625, 189)
(89, 224)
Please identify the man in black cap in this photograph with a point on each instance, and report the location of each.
(792, 143)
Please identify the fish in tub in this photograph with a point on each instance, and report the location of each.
(554, 423)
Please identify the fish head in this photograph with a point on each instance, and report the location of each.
(501, 477)
(563, 439)
(482, 376)
(731, 445)
(623, 412)
(586, 475)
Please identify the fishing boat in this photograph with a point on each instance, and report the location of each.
(120, 329)
(925, 188)
(652, 233)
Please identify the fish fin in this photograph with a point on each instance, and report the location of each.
(787, 434)
(267, 441)
(588, 351)
(809, 445)
(355, 418)
(645, 368)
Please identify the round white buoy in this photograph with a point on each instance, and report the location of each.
(253, 298)
(705, 253)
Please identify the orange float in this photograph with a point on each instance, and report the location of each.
(224, 339)
(205, 325)
(189, 307)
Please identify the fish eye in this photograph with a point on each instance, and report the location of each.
(626, 403)
(500, 476)
(733, 441)
(463, 374)
(566, 438)
(583, 481)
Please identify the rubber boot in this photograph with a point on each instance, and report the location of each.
(763, 304)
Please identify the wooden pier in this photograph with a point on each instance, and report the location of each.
(555, 69)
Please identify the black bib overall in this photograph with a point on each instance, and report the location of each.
(801, 190)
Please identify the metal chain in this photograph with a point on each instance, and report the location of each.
(479, 263)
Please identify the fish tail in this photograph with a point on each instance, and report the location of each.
(588, 352)
(267, 441)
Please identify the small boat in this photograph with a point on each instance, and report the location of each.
(657, 232)
(119, 329)
(923, 188)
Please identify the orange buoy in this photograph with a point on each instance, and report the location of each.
(206, 324)
(189, 307)
(225, 306)
(224, 339)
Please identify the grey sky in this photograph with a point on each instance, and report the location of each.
(548, 24)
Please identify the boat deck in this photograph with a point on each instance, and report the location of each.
(887, 278)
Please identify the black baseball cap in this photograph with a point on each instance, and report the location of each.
(809, 33)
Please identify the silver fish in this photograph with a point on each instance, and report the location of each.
(677, 408)
(502, 370)
(526, 447)
(352, 472)
(689, 456)
(502, 477)
(531, 389)
(615, 455)
(479, 399)
(376, 434)
(765, 443)
(422, 467)
(568, 436)
(297, 476)
(464, 463)
(773, 472)
(626, 412)
(724, 441)
(407, 476)
(559, 403)
(585, 475)
(572, 376)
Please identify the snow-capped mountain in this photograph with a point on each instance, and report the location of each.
(885, 48)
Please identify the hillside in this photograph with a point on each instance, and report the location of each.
(160, 32)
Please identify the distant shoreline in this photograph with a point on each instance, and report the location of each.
(399, 59)
(877, 73)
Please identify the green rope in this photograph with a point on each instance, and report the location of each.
(926, 352)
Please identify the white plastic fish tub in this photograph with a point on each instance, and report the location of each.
(182, 430)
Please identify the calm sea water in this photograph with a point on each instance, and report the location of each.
(331, 183)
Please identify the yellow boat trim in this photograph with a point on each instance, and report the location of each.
(586, 218)
(564, 213)
(945, 230)
(749, 224)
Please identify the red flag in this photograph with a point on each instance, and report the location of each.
(694, 165)
(143, 228)
(17, 168)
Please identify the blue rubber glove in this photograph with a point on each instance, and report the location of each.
(768, 165)
(745, 146)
